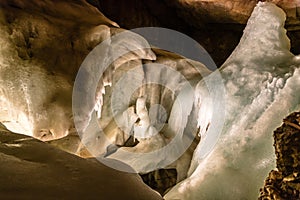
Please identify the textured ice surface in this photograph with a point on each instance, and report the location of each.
(262, 82)
(155, 150)
(32, 100)
(154, 93)
(97, 70)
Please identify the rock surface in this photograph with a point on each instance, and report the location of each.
(216, 24)
(36, 170)
(225, 11)
(284, 182)
(160, 180)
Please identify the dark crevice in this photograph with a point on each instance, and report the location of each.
(161, 180)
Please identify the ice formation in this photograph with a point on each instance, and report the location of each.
(42, 48)
(246, 99)
(156, 93)
(262, 82)
(33, 101)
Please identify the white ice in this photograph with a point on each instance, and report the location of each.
(262, 82)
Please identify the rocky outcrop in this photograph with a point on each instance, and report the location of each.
(284, 182)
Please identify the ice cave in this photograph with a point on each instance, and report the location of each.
(174, 100)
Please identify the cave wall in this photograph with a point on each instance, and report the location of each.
(216, 24)
(43, 45)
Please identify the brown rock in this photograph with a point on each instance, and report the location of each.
(225, 11)
(36, 170)
(284, 183)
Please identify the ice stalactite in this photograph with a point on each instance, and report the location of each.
(153, 107)
(98, 74)
(262, 81)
